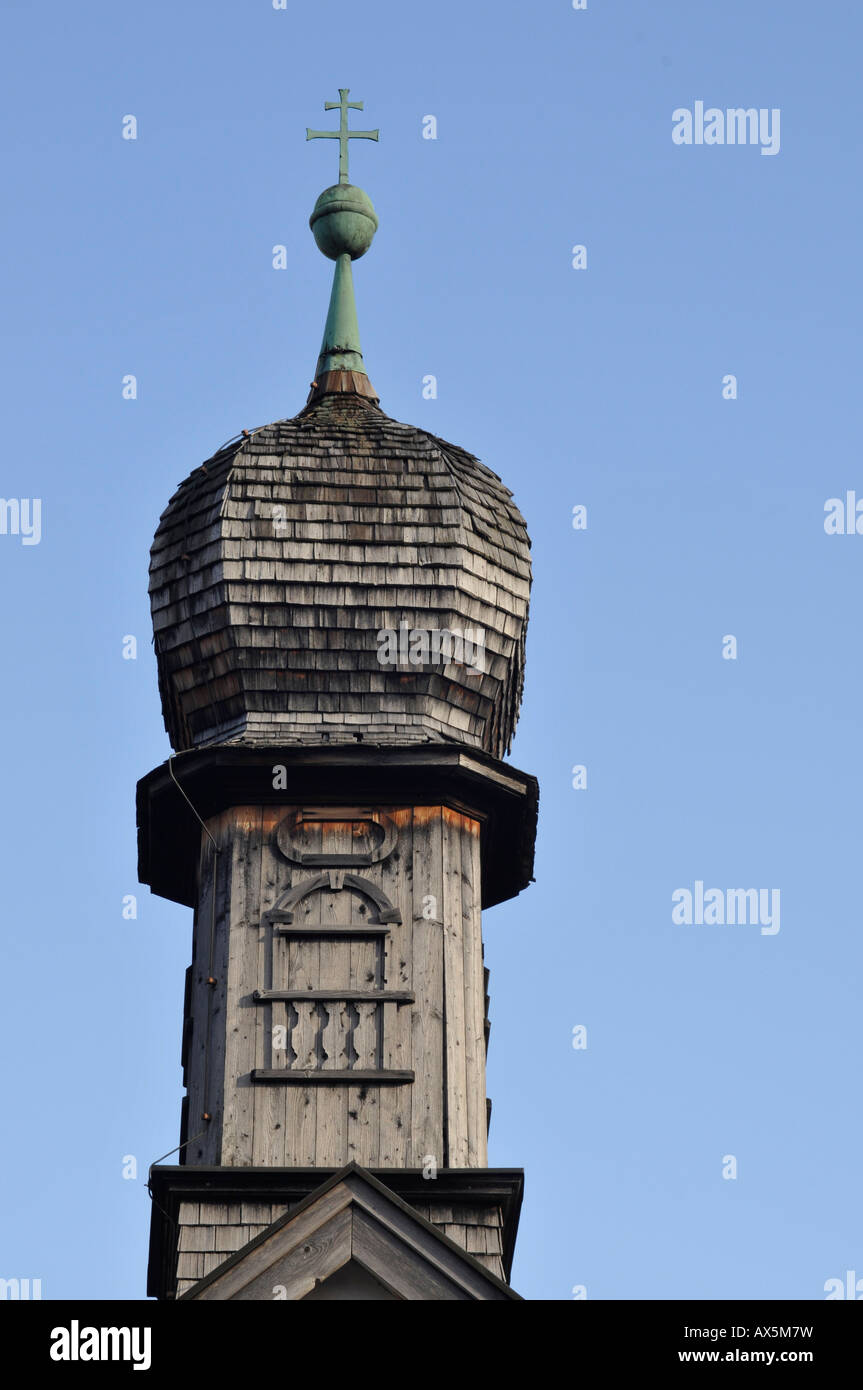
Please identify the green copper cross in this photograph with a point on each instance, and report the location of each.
(343, 135)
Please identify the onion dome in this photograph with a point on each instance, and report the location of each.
(339, 576)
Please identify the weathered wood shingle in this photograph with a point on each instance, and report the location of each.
(277, 562)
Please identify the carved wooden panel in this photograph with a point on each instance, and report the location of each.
(331, 1030)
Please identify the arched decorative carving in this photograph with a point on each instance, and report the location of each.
(335, 881)
(333, 1030)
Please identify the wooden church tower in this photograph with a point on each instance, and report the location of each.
(339, 605)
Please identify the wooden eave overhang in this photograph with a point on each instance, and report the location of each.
(502, 798)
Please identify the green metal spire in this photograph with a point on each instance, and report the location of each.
(340, 349)
(344, 223)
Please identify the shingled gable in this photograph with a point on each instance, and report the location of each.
(352, 1238)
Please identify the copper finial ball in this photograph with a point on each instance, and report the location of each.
(344, 221)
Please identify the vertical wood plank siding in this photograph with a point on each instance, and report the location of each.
(433, 955)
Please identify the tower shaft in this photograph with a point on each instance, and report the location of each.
(345, 1019)
(336, 1001)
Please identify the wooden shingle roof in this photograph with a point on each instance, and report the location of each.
(277, 563)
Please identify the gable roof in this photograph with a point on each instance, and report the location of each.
(351, 1222)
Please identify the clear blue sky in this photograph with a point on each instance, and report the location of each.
(601, 387)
